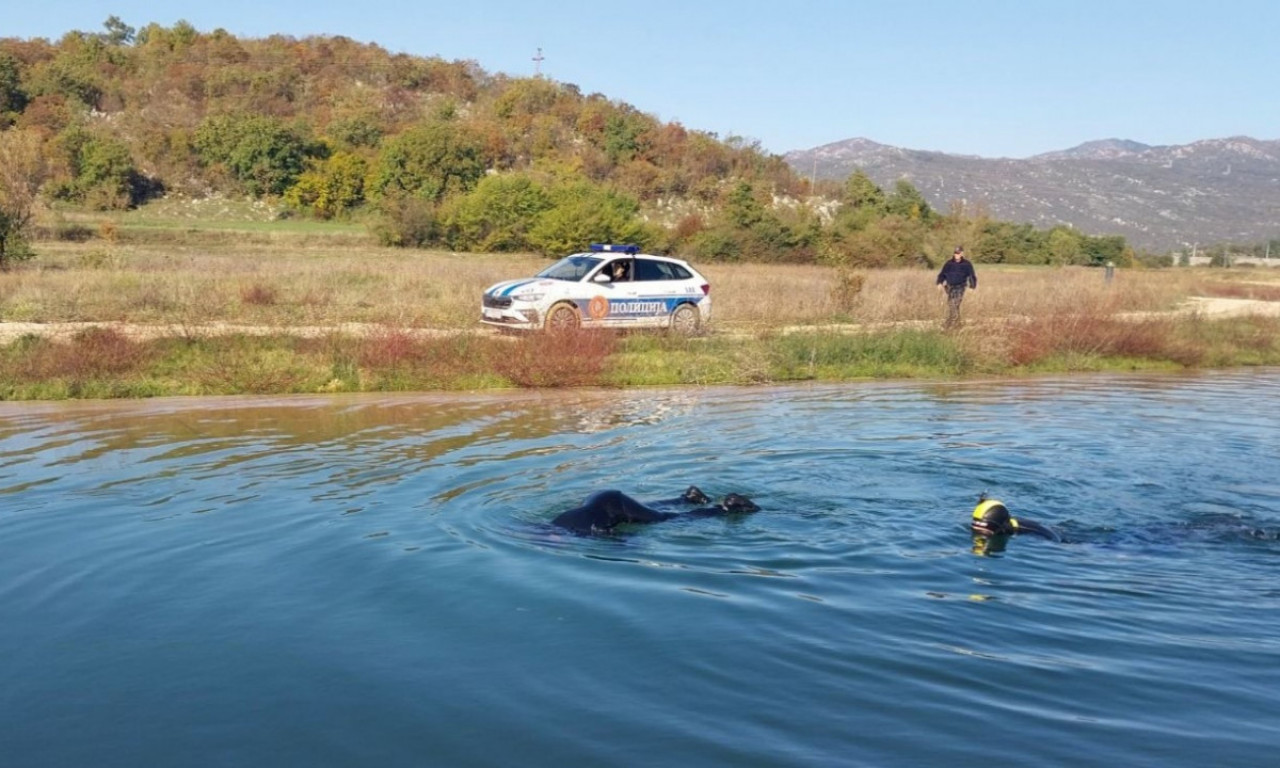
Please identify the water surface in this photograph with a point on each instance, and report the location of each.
(373, 580)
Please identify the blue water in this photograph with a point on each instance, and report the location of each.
(373, 581)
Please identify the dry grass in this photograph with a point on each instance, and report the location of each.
(557, 360)
(280, 282)
(1088, 335)
(767, 296)
(253, 284)
(1242, 290)
(92, 352)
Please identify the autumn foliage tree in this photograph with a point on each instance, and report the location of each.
(23, 170)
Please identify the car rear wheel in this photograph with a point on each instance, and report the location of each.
(563, 318)
(684, 321)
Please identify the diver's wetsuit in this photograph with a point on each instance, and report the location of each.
(1021, 526)
(992, 518)
(604, 510)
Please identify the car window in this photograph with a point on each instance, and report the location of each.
(570, 268)
(647, 269)
(619, 270)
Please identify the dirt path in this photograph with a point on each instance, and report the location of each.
(9, 332)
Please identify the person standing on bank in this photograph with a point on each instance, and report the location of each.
(956, 274)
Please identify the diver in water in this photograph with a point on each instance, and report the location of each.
(992, 526)
(604, 510)
(991, 520)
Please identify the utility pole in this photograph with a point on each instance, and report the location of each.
(813, 179)
(537, 64)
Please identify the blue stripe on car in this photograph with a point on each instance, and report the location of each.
(518, 284)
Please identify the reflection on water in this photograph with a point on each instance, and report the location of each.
(374, 580)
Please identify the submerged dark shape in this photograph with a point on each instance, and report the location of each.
(1197, 530)
(991, 518)
(604, 510)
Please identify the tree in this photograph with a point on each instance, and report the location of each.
(12, 98)
(261, 153)
(891, 240)
(359, 130)
(862, 202)
(860, 192)
(331, 187)
(583, 213)
(497, 214)
(22, 171)
(743, 210)
(72, 73)
(1106, 248)
(430, 161)
(622, 137)
(118, 33)
(1063, 245)
(907, 201)
(102, 171)
(1003, 242)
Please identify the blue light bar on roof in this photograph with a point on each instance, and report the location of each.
(615, 248)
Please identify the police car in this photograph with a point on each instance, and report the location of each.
(610, 286)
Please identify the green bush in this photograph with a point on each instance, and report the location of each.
(331, 187)
(406, 221)
(430, 161)
(497, 214)
(261, 153)
(582, 213)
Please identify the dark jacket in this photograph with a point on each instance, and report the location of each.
(957, 273)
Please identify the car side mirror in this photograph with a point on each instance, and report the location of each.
(603, 277)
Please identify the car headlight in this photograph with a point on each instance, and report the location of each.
(529, 297)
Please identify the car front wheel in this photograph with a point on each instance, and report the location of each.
(563, 318)
(684, 321)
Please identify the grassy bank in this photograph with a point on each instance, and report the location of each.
(100, 363)
(773, 323)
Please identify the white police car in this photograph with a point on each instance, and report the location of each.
(611, 286)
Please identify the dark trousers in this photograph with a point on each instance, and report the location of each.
(955, 295)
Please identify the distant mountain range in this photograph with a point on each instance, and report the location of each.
(1160, 198)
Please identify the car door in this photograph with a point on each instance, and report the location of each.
(659, 289)
(614, 300)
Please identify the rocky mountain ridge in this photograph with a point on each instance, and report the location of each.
(1159, 197)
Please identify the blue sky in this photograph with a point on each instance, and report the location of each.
(997, 78)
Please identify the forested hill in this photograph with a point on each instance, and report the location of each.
(437, 153)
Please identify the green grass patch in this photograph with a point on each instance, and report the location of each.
(102, 363)
(656, 360)
(888, 354)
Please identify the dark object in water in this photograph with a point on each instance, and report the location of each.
(604, 510)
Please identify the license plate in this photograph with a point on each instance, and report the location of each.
(491, 314)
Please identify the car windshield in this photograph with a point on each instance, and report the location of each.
(572, 268)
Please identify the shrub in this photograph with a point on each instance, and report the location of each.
(1094, 335)
(557, 359)
(261, 153)
(429, 162)
(496, 215)
(406, 221)
(582, 213)
(845, 292)
(258, 295)
(331, 187)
